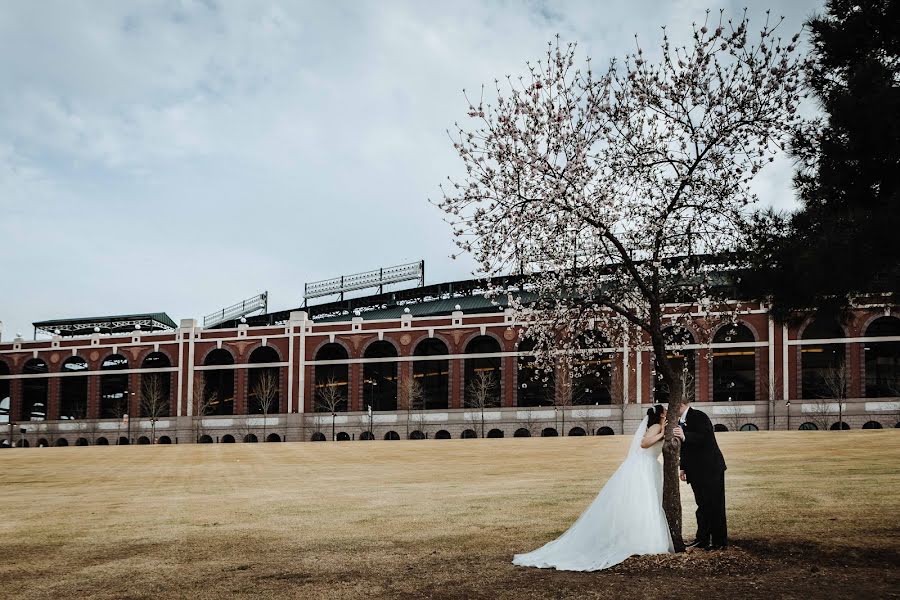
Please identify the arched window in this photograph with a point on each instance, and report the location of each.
(164, 439)
(606, 431)
(468, 434)
(34, 391)
(156, 388)
(318, 437)
(392, 435)
(839, 425)
(251, 438)
(682, 361)
(380, 378)
(576, 431)
(5, 399)
(719, 428)
(73, 391)
(343, 436)
(522, 432)
(749, 427)
(482, 381)
(443, 434)
(549, 432)
(808, 426)
(332, 380)
(366, 435)
(273, 437)
(264, 383)
(883, 359)
(594, 385)
(219, 384)
(143, 440)
(535, 387)
(433, 376)
(227, 439)
(823, 374)
(495, 433)
(416, 435)
(872, 425)
(205, 439)
(113, 387)
(734, 369)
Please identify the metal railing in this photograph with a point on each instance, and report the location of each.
(236, 311)
(369, 279)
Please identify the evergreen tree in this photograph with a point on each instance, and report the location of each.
(844, 239)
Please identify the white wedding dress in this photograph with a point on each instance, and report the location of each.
(626, 518)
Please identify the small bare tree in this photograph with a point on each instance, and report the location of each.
(528, 421)
(479, 396)
(265, 392)
(202, 400)
(819, 412)
(154, 403)
(734, 417)
(330, 398)
(836, 381)
(562, 400)
(413, 402)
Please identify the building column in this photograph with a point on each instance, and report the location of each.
(241, 393)
(93, 394)
(15, 400)
(508, 377)
(354, 402)
(134, 397)
(53, 387)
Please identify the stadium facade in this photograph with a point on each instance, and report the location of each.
(333, 374)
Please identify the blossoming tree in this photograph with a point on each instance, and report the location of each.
(618, 193)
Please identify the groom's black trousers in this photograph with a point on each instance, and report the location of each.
(709, 494)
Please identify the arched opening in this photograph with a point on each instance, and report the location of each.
(872, 425)
(366, 435)
(143, 440)
(113, 387)
(482, 373)
(228, 439)
(205, 439)
(164, 439)
(34, 391)
(549, 432)
(594, 384)
(156, 388)
(218, 392)
(734, 369)
(318, 437)
(392, 435)
(536, 388)
(683, 364)
(433, 376)
(332, 380)
(250, 438)
(839, 425)
(605, 431)
(468, 434)
(808, 427)
(380, 378)
(443, 434)
(822, 365)
(343, 436)
(495, 433)
(416, 435)
(43, 443)
(81, 442)
(719, 428)
(883, 359)
(522, 432)
(273, 437)
(576, 431)
(749, 427)
(264, 383)
(23, 443)
(61, 442)
(5, 398)
(124, 441)
(102, 441)
(73, 391)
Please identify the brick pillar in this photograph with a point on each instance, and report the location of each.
(310, 391)
(15, 400)
(241, 393)
(457, 385)
(93, 394)
(507, 388)
(354, 402)
(134, 396)
(703, 375)
(53, 399)
(856, 387)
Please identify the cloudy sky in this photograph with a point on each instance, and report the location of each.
(179, 156)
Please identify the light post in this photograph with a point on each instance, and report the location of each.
(332, 425)
(788, 406)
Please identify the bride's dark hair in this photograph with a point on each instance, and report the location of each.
(654, 414)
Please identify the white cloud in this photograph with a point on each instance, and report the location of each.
(181, 155)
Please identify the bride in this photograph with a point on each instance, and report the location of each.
(626, 517)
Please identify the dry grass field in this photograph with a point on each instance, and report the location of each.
(811, 514)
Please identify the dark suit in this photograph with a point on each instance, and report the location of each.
(704, 466)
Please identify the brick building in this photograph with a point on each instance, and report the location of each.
(752, 374)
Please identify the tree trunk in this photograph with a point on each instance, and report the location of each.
(671, 448)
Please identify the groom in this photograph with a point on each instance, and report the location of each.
(703, 467)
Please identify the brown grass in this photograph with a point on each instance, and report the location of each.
(811, 514)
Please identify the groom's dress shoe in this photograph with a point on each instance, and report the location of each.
(696, 543)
